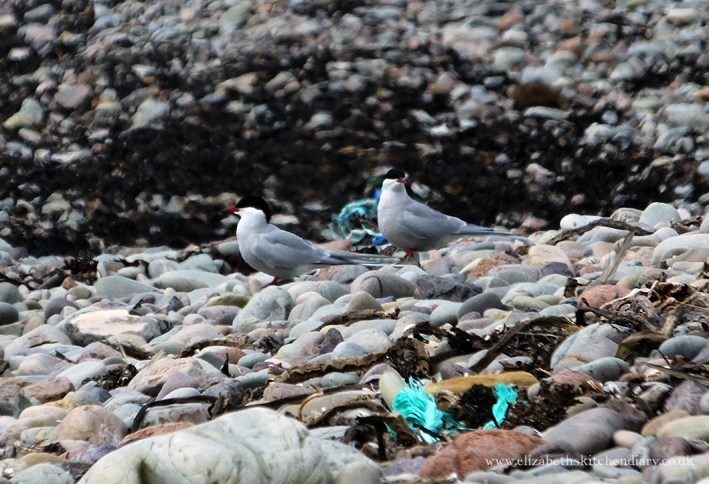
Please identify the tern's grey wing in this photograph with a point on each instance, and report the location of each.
(422, 222)
(281, 249)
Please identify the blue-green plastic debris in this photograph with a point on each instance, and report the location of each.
(357, 211)
(506, 396)
(351, 222)
(419, 409)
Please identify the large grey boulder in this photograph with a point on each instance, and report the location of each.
(251, 446)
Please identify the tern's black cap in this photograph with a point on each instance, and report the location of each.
(394, 174)
(255, 202)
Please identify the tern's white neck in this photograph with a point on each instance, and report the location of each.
(251, 220)
(392, 191)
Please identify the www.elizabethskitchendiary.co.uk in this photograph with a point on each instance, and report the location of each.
(589, 461)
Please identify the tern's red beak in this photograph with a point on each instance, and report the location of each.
(401, 180)
(230, 210)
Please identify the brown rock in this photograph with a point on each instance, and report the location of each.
(154, 431)
(437, 264)
(576, 382)
(702, 94)
(494, 260)
(68, 283)
(279, 391)
(574, 45)
(584, 89)
(590, 269)
(533, 224)
(569, 26)
(443, 85)
(597, 296)
(91, 423)
(9, 387)
(509, 20)
(230, 353)
(473, 451)
(327, 273)
(150, 379)
(643, 254)
(49, 390)
(32, 324)
(604, 55)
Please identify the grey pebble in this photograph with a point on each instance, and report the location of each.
(273, 303)
(382, 284)
(480, 303)
(604, 369)
(687, 346)
(8, 314)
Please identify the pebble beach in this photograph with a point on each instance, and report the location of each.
(136, 347)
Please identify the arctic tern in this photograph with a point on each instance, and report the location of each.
(284, 255)
(413, 226)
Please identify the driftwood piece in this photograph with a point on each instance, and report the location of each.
(610, 270)
(601, 222)
(316, 420)
(352, 317)
(683, 374)
(684, 226)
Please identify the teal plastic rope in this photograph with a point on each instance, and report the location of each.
(419, 409)
(366, 209)
(506, 396)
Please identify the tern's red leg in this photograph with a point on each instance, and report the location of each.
(274, 282)
(410, 252)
